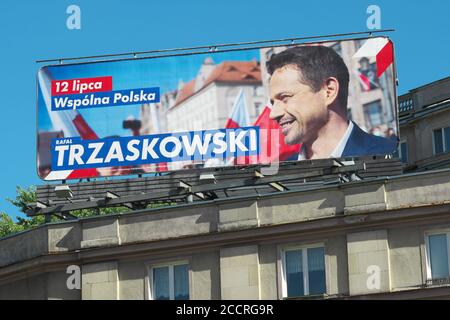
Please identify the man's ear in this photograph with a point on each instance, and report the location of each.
(331, 87)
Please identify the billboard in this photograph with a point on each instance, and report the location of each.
(225, 108)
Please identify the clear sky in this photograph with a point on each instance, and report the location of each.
(33, 30)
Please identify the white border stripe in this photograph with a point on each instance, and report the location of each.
(58, 175)
(371, 47)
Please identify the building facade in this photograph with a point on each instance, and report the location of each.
(377, 238)
(425, 126)
(207, 100)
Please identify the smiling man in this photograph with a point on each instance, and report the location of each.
(309, 93)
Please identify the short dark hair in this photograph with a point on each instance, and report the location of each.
(316, 63)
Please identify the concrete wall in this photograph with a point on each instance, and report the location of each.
(369, 197)
(232, 246)
(24, 246)
(239, 273)
(268, 272)
(337, 265)
(132, 277)
(405, 258)
(417, 191)
(301, 206)
(368, 262)
(32, 288)
(100, 233)
(100, 281)
(205, 269)
(171, 223)
(48, 285)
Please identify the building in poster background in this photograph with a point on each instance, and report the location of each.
(179, 112)
(207, 100)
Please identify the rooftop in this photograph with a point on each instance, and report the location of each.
(225, 72)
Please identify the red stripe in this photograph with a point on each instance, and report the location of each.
(384, 58)
(83, 173)
(365, 81)
(162, 167)
(231, 124)
(86, 133)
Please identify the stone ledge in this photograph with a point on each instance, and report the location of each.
(114, 241)
(238, 225)
(367, 208)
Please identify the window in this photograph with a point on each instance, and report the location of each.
(373, 114)
(257, 108)
(303, 272)
(441, 140)
(402, 152)
(258, 91)
(438, 256)
(169, 282)
(406, 105)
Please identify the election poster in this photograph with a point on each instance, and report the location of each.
(215, 109)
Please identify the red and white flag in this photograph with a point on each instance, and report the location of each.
(365, 82)
(239, 113)
(381, 48)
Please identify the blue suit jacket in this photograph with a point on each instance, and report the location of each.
(361, 143)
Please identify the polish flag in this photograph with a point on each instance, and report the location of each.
(239, 113)
(365, 82)
(238, 118)
(381, 48)
(72, 123)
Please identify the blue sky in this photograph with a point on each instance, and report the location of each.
(36, 30)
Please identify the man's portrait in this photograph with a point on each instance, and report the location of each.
(309, 89)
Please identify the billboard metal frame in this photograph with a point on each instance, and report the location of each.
(213, 48)
(313, 174)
